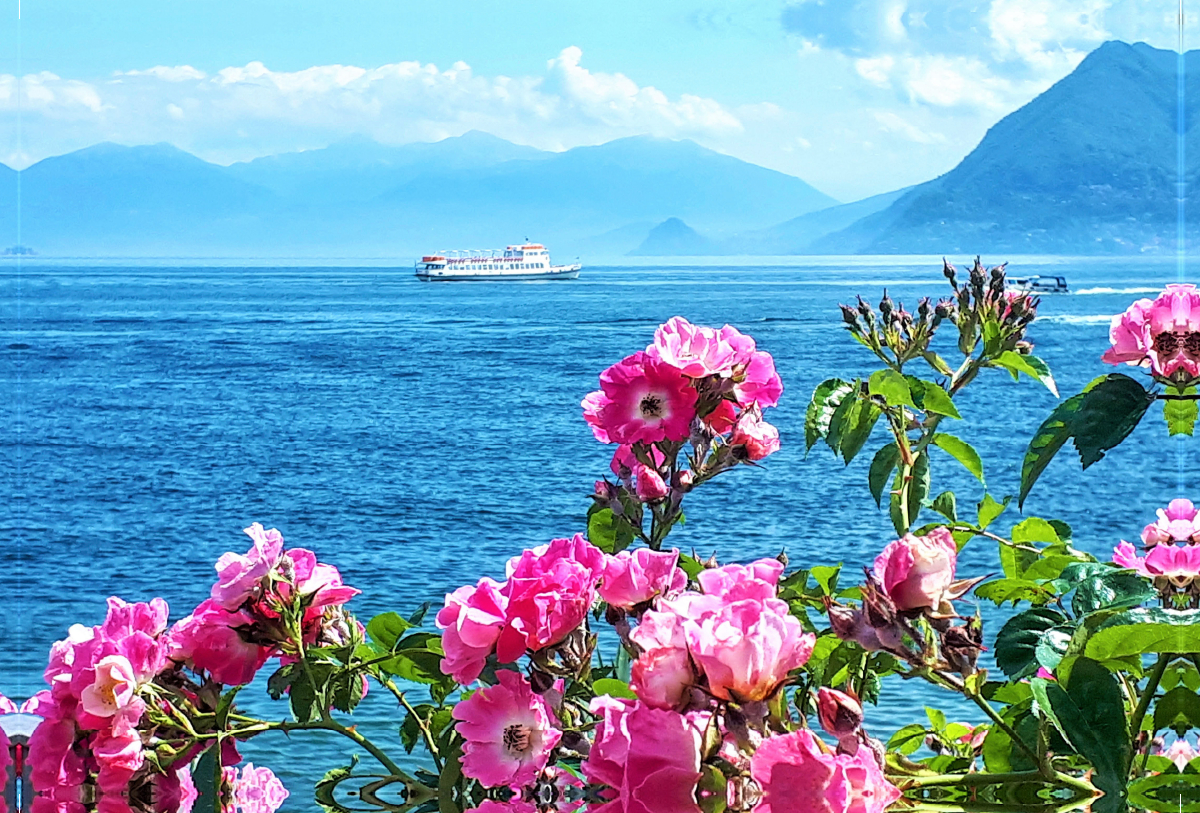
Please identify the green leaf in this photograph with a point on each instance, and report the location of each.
(385, 629)
(892, 387)
(1016, 645)
(613, 688)
(690, 565)
(1000, 755)
(1031, 366)
(1052, 646)
(1169, 792)
(1014, 590)
(988, 509)
(1181, 415)
(825, 399)
(609, 532)
(1034, 529)
(1139, 631)
(1090, 714)
(1097, 419)
(961, 451)
(946, 505)
(931, 398)
(908, 739)
(858, 428)
(881, 469)
(1178, 709)
(1115, 589)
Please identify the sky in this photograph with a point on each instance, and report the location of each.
(857, 97)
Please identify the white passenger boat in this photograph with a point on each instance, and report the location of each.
(1038, 285)
(524, 262)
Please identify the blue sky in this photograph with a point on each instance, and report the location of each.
(855, 96)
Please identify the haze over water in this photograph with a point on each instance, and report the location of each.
(418, 435)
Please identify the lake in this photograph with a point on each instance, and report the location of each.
(418, 435)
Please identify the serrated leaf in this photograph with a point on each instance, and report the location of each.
(1014, 590)
(882, 464)
(1181, 415)
(988, 509)
(609, 532)
(857, 429)
(1139, 631)
(825, 399)
(1016, 645)
(1096, 419)
(385, 629)
(1031, 366)
(961, 451)
(931, 398)
(1114, 589)
(892, 387)
(946, 505)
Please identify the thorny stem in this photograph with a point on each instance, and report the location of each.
(426, 733)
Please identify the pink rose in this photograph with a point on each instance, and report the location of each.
(113, 687)
(641, 399)
(209, 641)
(759, 384)
(549, 592)
(755, 435)
(795, 773)
(119, 757)
(663, 673)
(916, 571)
(757, 580)
(471, 623)
(238, 577)
(624, 461)
(649, 758)
(513, 805)
(1178, 522)
(698, 351)
(1180, 565)
(509, 732)
(1163, 334)
(635, 577)
(649, 484)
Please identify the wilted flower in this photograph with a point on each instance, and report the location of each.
(509, 732)
(841, 715)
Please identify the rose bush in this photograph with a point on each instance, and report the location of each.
(608, 672)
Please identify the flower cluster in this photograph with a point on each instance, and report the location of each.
(1162, 335)
(693, 383)
(1172, 560)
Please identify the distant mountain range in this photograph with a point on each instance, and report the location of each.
(1089, 166)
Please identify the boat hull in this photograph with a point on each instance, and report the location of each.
(447, 275)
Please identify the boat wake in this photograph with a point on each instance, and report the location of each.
(1103, 290)
(1078, 319)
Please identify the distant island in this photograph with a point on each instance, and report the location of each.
(18, 251)
(1088, 167)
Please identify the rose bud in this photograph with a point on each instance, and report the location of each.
(756, 437)
(916, 571)
(650, 485)
(841, 715)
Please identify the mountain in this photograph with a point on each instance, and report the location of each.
(1089, 166)
(674, 238)
(796, 236)
(358, 168)
(359, 198)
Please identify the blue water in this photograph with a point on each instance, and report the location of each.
(417, 435)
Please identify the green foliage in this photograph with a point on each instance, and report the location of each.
(1181, 414)
(1017, 644)
(1139, 631)
(1031, 366)
(961, 451)
(608, 532)
(882, 466)
(1096, 419)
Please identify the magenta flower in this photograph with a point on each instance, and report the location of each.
(698, 351)
(624, 461)
(1179, 565)
(1178, 522)
(471, 623)
(841, 715)
(209, 640)
(641, 398)
(549, 592)
(509, 732)
(513, 805)
(258, 790)
(759, 383)
(795, 773)
(650, 485)
(1163, 334)
(757, 437)
(635, 577)
(238, 577)
(113, 688)
(119, 756)
(757, 580)
(648, 758)
(662, 675)
(917, 571)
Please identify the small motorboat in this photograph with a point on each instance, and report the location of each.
(1038, 285)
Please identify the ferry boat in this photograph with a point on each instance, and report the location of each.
(524, 262)
(1038, 285)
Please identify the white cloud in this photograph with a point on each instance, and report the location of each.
(897, 124)
(242, 112)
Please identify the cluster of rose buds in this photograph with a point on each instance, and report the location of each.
(896, 330)
(693, 384)
(1161, 335)
(1172, 560)
(983, 300)
(913, 579)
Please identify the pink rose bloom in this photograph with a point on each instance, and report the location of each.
(747, 648)
(722, 418)
(649, 758)
(509, 732)
(258, 790)
(113, 688)
(1180, 565)
(1129, 335)
(1163, 335)
(916, 571)
(759, 383)
(700, 351)
(549, 592)
(174, 792)
(238, 577)
(795, 773)
(663, 673)
(755, 435)
(1177, 522)
(635, 577)
(208, 640)
(52, 758)
(641, 398)
(471, 623)
(320, 583)
(119, 757)
(650, 485)
(757, 580)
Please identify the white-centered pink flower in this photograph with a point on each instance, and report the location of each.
(509, 732)
(641, 398)
(112, 690)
